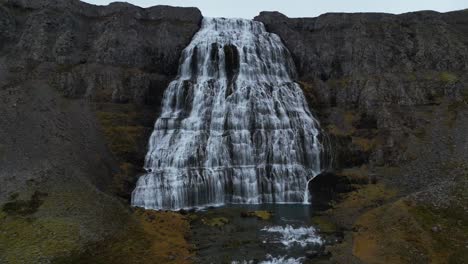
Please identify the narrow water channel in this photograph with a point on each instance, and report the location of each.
(230, 234)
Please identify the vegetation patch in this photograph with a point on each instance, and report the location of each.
(448, 77)
(215, 222)
(126, 129)
(150, 237)
(324, 224)
(261, 215)
(369, 196)
(24, 207)
(123, 139)
(418, 233)
(123, 132)
(29, 239)
(356, 175)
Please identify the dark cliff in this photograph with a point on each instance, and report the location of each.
(119, 58)
(363, 51)
(80, 87)
(96, 51)
(367, 75)
(391, 94)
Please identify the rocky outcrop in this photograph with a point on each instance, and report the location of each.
(364, 60)
(118, 57)
(391, 94)
(98, 49)
(360, 70)
(80, 87)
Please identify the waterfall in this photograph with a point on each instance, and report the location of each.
(234, 127)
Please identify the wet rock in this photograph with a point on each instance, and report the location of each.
(312, 254)
(216, 221)
(436, 229)
(261, 215)
(183, 212)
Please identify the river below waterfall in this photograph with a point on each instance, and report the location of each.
(226, 235)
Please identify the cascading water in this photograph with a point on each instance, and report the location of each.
(234, 126)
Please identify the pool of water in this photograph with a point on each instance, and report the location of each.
(287, 237)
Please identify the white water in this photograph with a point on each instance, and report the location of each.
(234, 127)
(272, 260)
(306, 191)
(290, 236)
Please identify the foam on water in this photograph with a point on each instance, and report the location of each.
(234, 127)
(273, 260)
(290, 236)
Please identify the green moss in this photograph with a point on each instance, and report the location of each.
(29, 240)
(122, 130)
(123, 139)
(23, 207)
(449, 238)
(261, 215)
(420, 233)
(123, 126)
(420, 132)
(216, 221)
(324, 224)
(150, 237)
(356, 175)
(340, 83)
(448, 78)
(125, 117)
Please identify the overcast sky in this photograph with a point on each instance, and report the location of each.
(301, 8)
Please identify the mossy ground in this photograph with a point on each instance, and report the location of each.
(215, 221)
(356, 202)
(381, 227)
(126, 128)
(121, 130)
(261, 215)
(324, 224)
(151, 237)
(83, 225)
(25, 238)
(401, 232)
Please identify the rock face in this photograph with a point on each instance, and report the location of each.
(391, 93)
(80, 87)
(361, 70)
(119, 57)
(376, 58)
(125, 51)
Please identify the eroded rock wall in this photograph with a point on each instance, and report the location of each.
(365, 74)
(80, 87)
(391, 94)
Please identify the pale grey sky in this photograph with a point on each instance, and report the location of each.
(301, 8)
